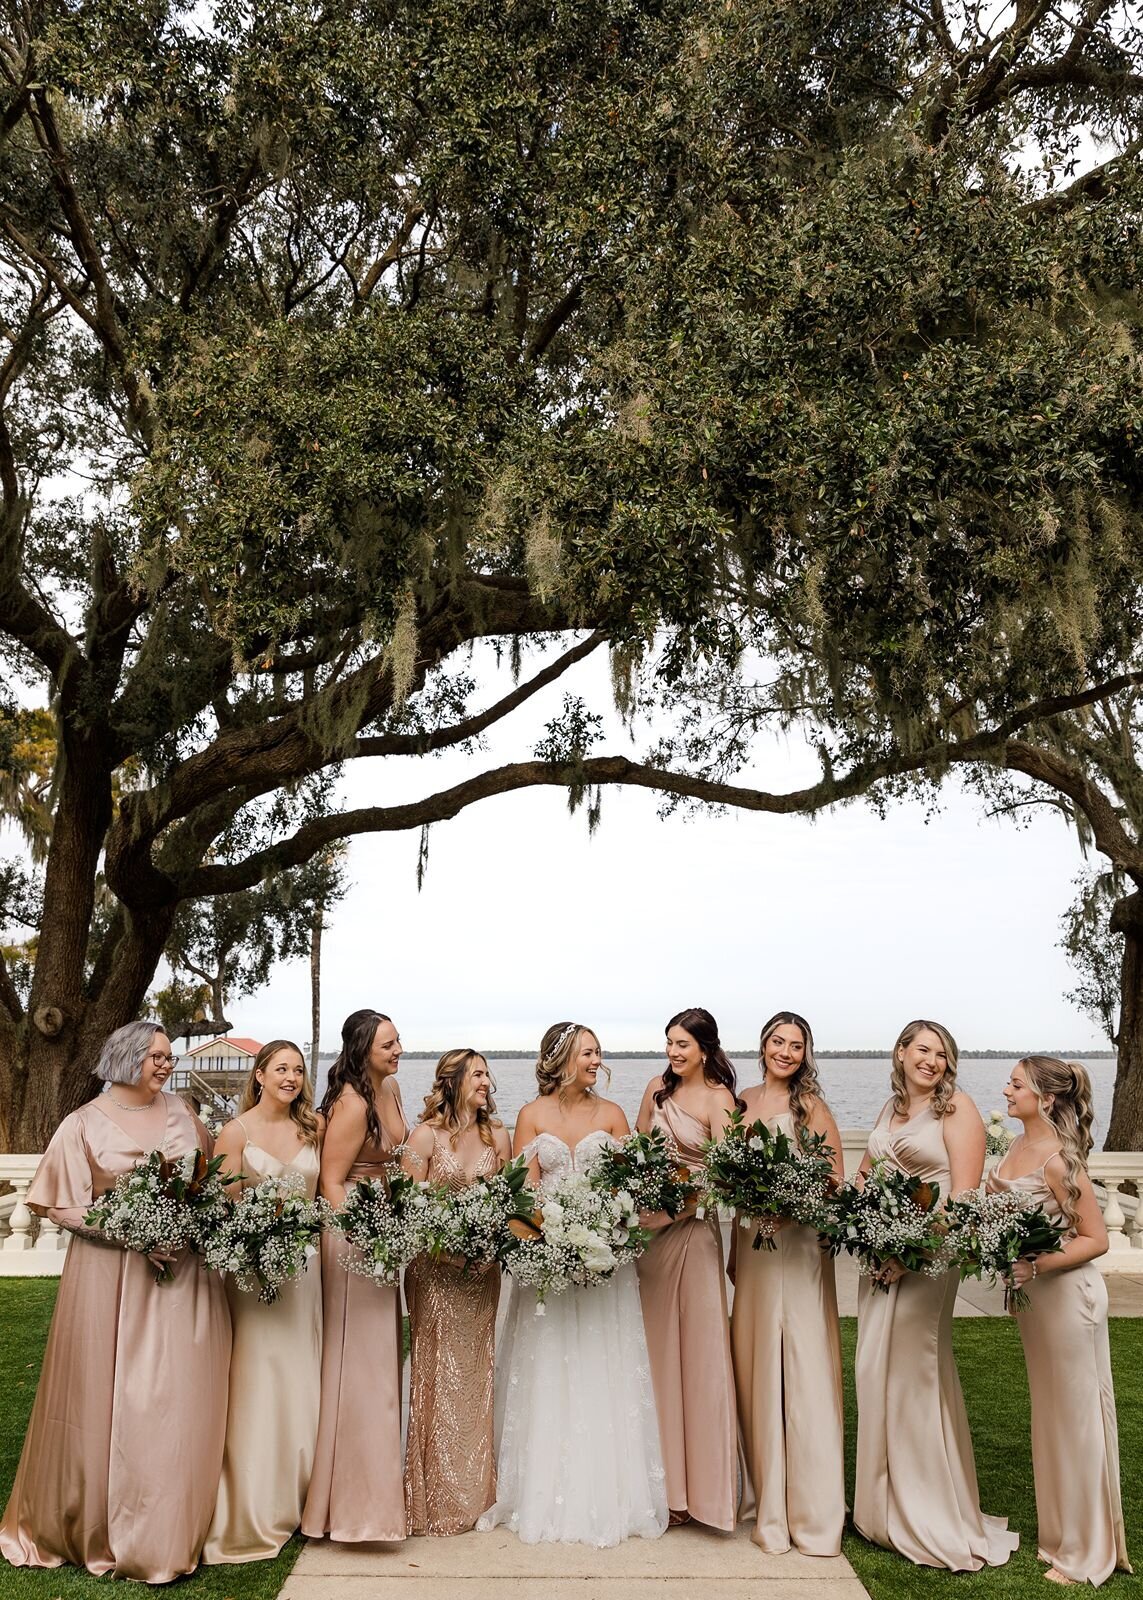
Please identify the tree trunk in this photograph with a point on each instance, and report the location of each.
(315, 995)
(1125, 1131)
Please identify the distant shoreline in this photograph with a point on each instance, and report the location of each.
(822, 1055)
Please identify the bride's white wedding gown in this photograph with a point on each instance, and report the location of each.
(577, 1437)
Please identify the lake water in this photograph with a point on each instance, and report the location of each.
(855, 1089)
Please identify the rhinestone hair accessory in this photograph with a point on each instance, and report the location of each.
(571, 1028)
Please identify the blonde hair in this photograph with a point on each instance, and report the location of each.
(302, 1106)
(1070, 1117)
(556, 1065)
(946, 1086)
(805, 1085)
(442, 1103)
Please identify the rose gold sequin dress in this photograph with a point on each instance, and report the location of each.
(450, 1469)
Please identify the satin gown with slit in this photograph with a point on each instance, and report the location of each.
(120, 1465)
(357, 1491)
(1075, 1440)
(275, 1386)
(787, 1373)
(683, 1291)
(916, 1489)
(450, 1464)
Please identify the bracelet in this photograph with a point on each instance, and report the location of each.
(1033, 1269)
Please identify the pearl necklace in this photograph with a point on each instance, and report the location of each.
(122, 1107)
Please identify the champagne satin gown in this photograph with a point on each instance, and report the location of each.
(450, 1466)
(275, 1387)
(683, 1292)
(787, 1374)
(1075, 1441)
(916, 1489)
(120, 1464)
(357, 1493)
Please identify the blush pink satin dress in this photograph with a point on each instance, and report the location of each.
(120, 1465)
(916, 1490)
(1075, 1437)
(683, 1291)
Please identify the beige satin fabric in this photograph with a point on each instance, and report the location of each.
(275, 1390)
(787, 1375)
(916, 1490)
(1075, 1440)
(356, 1491)
(683, 1292)
(450, 1462)
(120, 1464)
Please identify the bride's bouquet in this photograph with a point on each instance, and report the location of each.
(266, 1238)
(163, 1204)
(580, 1235)
(766, 1176)
(988, 1234)
(891, 1217)
(382, 1222)
(644, 1166)
(475, 1223)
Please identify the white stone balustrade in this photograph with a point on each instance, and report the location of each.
(34, 1247)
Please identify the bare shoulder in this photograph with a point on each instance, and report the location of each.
(527, 1115)
(721, 1097)
(319, 1118)
(501, 1142)
(422, 1139)
(390, 1088)
(231, 1137)
(614, 1118)
(965, 1104)
(348, 1108)
(655, 1084)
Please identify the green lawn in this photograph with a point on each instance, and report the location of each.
(992, 1369)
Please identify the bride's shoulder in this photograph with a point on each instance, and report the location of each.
(613, 1119)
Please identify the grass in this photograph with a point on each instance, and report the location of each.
(996, 1391)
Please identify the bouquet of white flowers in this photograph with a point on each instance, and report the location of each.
(383, 1222)
(582, 1234)
(765, 1176)
(266, 1238)
(163, 1204)
(475, 1223)
(988, 1234)
(891, 1217)
(997, 1137)
(645, 1166)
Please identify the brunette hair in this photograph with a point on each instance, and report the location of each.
(555, 1065)
(805, 1085)
(442, 1103)
(1070, 1116)
(352, 1068)
(301, 1108)
(716, 1064)
(946, 1087)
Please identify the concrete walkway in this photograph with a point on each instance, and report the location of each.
(688, 1563)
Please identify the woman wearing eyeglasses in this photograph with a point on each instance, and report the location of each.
(122, 1457)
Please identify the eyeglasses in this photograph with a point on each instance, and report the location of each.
(158, 1060)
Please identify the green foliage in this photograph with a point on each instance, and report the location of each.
(1094, 951)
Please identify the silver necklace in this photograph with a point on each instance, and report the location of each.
(122, 1107)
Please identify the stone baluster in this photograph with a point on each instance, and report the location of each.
(51, 1236)
(20, 1219)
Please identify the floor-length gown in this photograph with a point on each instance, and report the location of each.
(577, 1457)
(357, 1492)
(787, 1374)
(916, 1489)
(450, 1462)
(120, 1464)
(683, 1292)
(1075, 1440)
(275, 1388)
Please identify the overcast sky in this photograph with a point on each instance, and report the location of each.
(859, 922)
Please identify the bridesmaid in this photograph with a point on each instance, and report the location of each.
(275, 1365)
(916, 1489)
(1075, 1445)
(682, 1288)
(356, 1491)
(450, 1468)
(120, 1465)
(784, 1332)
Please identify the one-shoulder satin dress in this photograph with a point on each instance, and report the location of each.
(916, 1489)
(1075, 1440)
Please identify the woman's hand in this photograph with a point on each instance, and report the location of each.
(161, 1260)
(889, 1274)
(1023, 1271)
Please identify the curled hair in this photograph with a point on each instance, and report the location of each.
(352, 1068)
(125, 1050)
(717, 1067)
(805, 1085)
(442, 1103)
(1070, 1117)
(946, 1086)
(559, 1048)
(302, 1105)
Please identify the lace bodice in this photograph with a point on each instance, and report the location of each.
(557, 1159)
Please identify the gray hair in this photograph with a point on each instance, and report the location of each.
(124, 1051)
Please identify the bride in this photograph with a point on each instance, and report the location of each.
(578, 1457)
